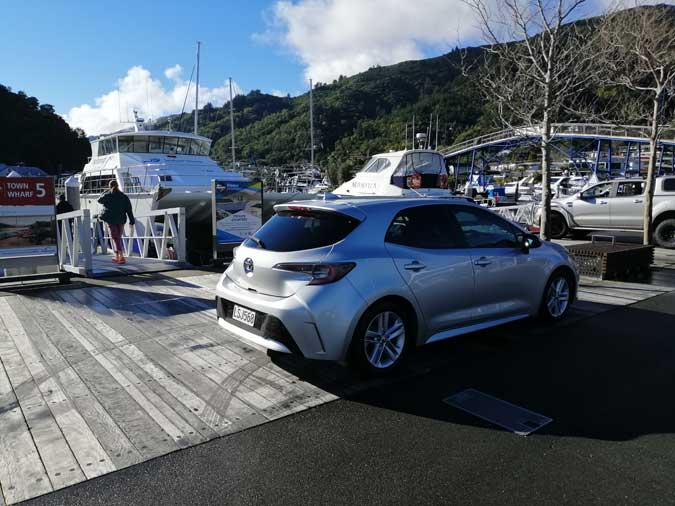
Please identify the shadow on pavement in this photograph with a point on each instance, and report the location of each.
(610, 376)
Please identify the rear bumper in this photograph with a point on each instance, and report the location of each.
(268, 330)
(316, 322)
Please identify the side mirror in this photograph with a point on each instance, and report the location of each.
(529, 241)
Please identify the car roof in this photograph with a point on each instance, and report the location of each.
(359, 207)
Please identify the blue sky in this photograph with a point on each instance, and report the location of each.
(95, 61)
(68, 52)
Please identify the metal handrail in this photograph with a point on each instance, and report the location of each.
(562, 129)
(79, 238)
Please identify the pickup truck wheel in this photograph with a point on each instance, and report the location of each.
(559, 228)
(664, 235)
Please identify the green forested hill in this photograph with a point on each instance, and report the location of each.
(353, 117)
(34, 135)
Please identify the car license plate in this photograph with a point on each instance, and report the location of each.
(243, 315)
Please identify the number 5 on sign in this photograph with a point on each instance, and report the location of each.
(40, 188)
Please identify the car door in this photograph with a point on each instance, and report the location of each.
(424, 242)
(591, 208)
(627, 206)
(506, 277)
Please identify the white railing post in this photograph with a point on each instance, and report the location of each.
(86, 239)
(181, 254)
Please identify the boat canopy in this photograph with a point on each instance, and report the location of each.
(151, 143)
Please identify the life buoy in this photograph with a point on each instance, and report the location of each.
(443, 181)
(414, 181)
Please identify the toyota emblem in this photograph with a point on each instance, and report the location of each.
(248, 265)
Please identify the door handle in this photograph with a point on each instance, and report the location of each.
(482, 262)
(414, 266)
(637, 201)
(603, 202)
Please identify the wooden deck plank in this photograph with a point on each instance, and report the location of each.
(199, 406)
(261, 377)
(213, 420)
(203, 431)
(115, 443)
(234, 383)
(52, 446)
(137, 417)
(85, 446)
(22, 474)
(219, 399)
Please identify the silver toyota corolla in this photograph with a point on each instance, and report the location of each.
(366, 280)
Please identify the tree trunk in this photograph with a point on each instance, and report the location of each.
(651, 173)
(545, 231)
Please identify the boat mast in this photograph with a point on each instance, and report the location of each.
(197, 89)
(232, 123)
(311, 123)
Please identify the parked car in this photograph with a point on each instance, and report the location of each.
(617, 205)
(366, 280)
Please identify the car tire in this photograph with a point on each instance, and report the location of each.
(381, 339)
(559, 228)
(664, 234)
(557, 298)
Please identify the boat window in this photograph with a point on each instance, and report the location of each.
(131, 184)
(183, 146)
(94, 185)
(376, 164)
(199, 147)
(170, 144)
(140, 144)
(420, 163)
(155, 144)
(125, 144)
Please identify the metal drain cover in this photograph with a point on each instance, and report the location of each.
(509, 416)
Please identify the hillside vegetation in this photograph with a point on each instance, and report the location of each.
(34, 135)
(353, 117)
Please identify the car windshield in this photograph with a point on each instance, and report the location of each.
(297, 230)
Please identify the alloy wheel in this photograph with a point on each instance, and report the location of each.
(384, 339)
(558, 297)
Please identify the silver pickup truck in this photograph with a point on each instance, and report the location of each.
(616, 205)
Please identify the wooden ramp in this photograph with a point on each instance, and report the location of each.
(99, 378)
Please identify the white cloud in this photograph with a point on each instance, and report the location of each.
(278, 93)
(333, 37)
(139, 90)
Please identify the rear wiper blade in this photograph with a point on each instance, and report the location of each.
(258, 242)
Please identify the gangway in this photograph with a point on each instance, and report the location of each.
(84, 248)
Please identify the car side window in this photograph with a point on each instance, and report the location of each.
(630, 189)
(603, 190)
(484, 229)
(427, 227)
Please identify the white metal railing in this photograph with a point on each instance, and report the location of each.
(637, 132)
(80, 239)
(524, 214)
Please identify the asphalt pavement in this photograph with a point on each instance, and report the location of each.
(607, 381)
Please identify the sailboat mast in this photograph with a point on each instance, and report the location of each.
(197, 90)
(232, 124)
(311, 123)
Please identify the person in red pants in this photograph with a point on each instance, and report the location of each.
(116, 209)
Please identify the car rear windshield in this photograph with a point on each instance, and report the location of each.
(301, 230)
(669, 184)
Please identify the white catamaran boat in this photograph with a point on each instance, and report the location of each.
(156, 169)
(405, 173)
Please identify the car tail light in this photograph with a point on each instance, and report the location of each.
(321, 274)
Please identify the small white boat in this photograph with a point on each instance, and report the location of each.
(405, 173)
